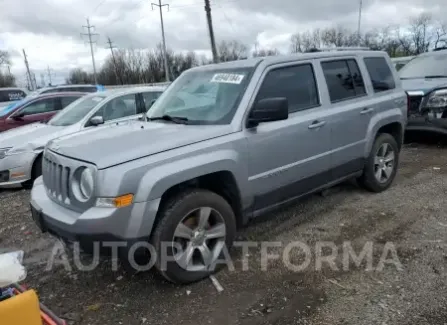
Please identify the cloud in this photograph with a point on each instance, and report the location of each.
(50, 30)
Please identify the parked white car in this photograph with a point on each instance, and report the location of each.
(21, 148)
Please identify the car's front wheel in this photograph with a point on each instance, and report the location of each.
(194, 229)
(381, 165)
(35, 172)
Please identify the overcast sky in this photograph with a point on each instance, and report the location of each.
(49, 30)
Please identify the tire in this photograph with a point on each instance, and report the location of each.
(368, 180)
(178, 210)
(35, 172)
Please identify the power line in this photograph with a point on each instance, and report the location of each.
(165, 55)
(99, 5)
(111, 47)
(211, 31)
(90, 41)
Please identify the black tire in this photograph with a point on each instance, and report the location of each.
(36, 172)
(175, 209)
(368, 179)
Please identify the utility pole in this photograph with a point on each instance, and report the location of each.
(49, 75)
(42, 80)
(358, 26)
(165, 54)
(28, 73)
(211, 31)
(90, 41)
(111, 47)
(9, 70)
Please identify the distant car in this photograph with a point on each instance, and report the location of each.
(10, 95)
(425, 80)
(34, 109)
(64, 88)
(21, 148)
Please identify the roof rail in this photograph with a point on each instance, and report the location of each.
(347, 48)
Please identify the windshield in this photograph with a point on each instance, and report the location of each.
(425, 65)
(203, 96)
(76, 111)
(7, 109)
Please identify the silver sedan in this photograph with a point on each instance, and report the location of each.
(21, 148)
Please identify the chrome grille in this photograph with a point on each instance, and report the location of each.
(56, 178)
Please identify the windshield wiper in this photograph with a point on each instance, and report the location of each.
(174, 119)
(435, 76)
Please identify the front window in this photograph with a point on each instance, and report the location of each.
(433, 65)
(6, 110)
(76, 111)
(204, 96)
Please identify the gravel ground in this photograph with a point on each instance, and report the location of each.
(410, 220)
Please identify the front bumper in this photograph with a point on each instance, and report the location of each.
(16, 169)
(118, 226)
(422, 123)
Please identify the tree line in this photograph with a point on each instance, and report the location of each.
(136, 66)
(6, 78)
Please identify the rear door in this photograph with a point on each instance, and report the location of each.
(35, 111)
(350, 114)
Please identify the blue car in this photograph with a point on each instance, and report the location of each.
(424, 79)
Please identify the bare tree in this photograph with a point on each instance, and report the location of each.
(265, 52)
(421, 32)
(441, 33)
(5, 58)
(232, 50)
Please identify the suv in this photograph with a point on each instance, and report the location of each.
(11, 95)
(267, 131)
(64, 88)
(425, 80)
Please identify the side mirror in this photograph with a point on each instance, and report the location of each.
(96, 120)
(268, 110)
(18, 116)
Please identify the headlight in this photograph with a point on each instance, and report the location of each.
(437, 99)
(86, 183)
(83, 184)
(3, 152)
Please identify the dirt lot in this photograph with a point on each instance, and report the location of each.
(412, 215)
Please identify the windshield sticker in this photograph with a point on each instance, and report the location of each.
(229, 78)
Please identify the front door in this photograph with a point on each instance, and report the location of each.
(35, 111)
(292, 157)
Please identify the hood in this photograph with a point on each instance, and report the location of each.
(115, 144)
(424, 85)
(34, 135)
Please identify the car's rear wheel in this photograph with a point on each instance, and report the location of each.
(35, 172)
(194, 229)
(381, 165)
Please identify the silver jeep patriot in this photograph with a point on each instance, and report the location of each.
(223, 144)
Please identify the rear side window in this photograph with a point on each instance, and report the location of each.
(343, 79)
(149, 97)
(11, 95)
(296, 83)
(65, 101)
(380, 73)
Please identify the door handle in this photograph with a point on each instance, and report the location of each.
(367, 110)
(316, 124)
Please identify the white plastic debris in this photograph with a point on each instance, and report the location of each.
(436, 168)
(11, 268)
(216, 283)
